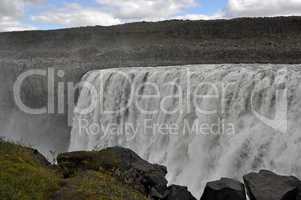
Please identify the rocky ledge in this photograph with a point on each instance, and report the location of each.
(110, 174)
(120, 174)
(125, 165)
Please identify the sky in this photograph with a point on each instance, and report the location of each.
(18, 15)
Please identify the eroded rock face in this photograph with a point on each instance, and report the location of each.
(224, 189)
(267, 185)
(176, 192)
(123, 163)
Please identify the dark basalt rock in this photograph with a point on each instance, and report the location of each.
(224, 189)
(267, 185)
(36, 155)
(176, 192)
(123, 163)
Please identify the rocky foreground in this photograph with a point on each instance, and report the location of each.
(120, 174)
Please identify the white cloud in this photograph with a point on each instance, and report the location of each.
(217, 15)
(11, 8)
(35, 1)
(11, 24)
(254, 8)
(73, 15)
(111, 12)
(131, 10)
(11, 11)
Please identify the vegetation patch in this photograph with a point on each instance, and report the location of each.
(26, 175)
(23, 175)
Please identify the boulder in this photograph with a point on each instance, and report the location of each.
(123, 163)
(224, 189)
(267, 185)
(176, 192)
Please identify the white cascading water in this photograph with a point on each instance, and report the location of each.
(250, 121)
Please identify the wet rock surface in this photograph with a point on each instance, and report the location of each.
(224, 189)
(122, 163)
(176, 192)
(267, 185)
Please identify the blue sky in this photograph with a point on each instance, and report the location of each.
(208, 7)
(54, 14)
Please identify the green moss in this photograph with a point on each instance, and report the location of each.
(24, 177)
(101, 185)
(89, 160)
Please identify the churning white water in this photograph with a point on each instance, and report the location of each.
(201, 121)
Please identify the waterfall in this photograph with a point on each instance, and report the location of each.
(201, 121)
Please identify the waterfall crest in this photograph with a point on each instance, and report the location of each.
(202, 121)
